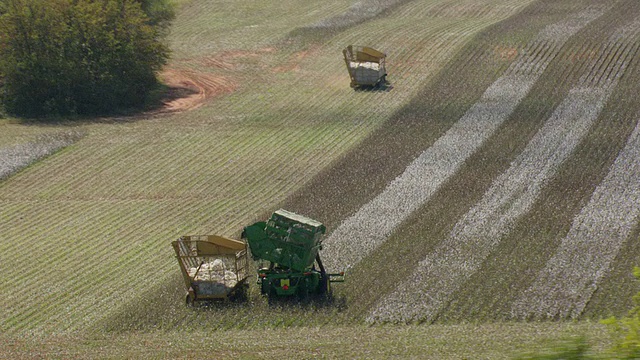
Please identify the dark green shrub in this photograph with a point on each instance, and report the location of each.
(80, 56)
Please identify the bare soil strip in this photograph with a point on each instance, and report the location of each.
(512, 194)
(565, 286)
(193, 89)
(370, 226)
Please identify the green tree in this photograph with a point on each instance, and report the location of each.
(78, 56)
(160, 12)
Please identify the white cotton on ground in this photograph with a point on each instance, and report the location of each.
(567, 283)
(357, 236)
(14, 158)
(511, 195)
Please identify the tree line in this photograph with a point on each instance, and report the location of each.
(60, 57)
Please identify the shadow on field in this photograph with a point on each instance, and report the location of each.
(163, 307)
(173, 92)
(310, 303)
(358, 13)
(176, 92)
(314, 303)
(386, 87)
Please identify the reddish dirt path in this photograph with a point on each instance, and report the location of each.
(190, 89)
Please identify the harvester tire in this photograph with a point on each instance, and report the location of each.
(264, 287)
(303, 291)
(325, 285)
(272, 296)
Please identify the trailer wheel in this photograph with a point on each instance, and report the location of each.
(382, 83)
(241, 294)
(303, 290)
(189, 300)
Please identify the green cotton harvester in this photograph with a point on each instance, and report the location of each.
(290, 244)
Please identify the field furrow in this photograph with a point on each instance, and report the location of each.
(360, 234)
(522, 254)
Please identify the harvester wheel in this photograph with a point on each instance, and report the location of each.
(303, 291)
(264, 287)
(325, 286)
(272, 296)
(382, 83)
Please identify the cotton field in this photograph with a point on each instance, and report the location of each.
(16, 157)
(444, 271)
(495, 178)
(358, 235)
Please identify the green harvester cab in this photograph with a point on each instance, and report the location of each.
(290, 243)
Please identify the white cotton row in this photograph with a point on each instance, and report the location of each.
(358, 12)
(370, 226)
(571, 276)
(357, 236)
(19, 156)
(510, 196)
(563, 30)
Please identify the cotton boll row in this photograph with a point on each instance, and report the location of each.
(570, 278)
(565, 286)
(562, 31)
(357, 13)
(18, 156)
(364, 231)
(510, 196)
(442, 273)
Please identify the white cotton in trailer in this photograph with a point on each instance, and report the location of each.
(366, 73)
(214, 272)
(364, 65)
